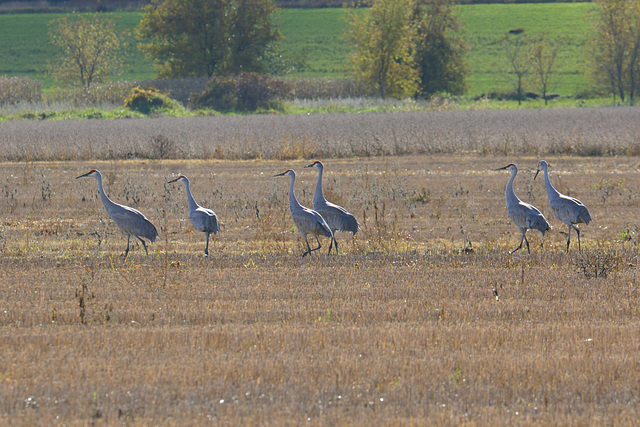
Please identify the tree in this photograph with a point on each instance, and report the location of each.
(439, 47)
(207, 37)
(515, 49)
(614, 49)
(543, 56)
(383, 41)
(90, 48)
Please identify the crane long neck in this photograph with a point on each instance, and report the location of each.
(551, 191)
(192, 203)
(293, 202)
(106, 201)
(319, 195)
(510, 193)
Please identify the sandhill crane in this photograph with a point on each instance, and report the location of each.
(203, 219)
(336, 216)
(130, 220)
(567, 209)
(524, 215)
(307, 221)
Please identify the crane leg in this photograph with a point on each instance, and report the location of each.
(126, 252)
(527, 242)
(144, 245)
(578, 233)
(334, 243)
(308, 248)
(569, 238)
(206, 249)
(521, 240)
(317, 240)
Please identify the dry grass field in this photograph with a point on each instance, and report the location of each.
(403, 327)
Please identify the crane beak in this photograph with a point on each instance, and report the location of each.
(502, 168)
(82, 176)
(173, 180)
(537, 172)
(310, 166)
(280, 174)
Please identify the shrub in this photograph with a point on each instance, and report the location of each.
(179, 89)
(145, 100)
(596, 263)
(14, 90)
(243, 92)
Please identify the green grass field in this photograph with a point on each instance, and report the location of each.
(487, 24)
(317, 35)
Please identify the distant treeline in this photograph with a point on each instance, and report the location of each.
(36, 6)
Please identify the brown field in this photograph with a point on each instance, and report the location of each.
(401, 328)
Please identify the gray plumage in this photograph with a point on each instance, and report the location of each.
(337, 217)
(203, 219)
(128, 219)
(523, 215)
(567, 209)
(307, 220)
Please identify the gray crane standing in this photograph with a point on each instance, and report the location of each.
(567, 209)
(337, 217)
(307, 220)
(203, 219)
(523, 215)
(129, 220)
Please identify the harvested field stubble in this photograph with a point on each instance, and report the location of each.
(422, 318)
(582, 132)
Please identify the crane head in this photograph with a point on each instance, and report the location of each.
(541, 166)
(317, 164)
(288, 172)
(509, 167)
(180, 178)
(92, 172)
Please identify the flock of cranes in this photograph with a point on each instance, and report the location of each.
(326, 218)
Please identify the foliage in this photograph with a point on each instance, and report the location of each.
(90, 49)
(384, 43)
(439, 48)
(147, 101)
(207, 38)
(614, 48)
(244, 92)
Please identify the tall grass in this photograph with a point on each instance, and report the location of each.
(582, 132)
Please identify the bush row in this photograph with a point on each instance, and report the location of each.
(244, 92)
